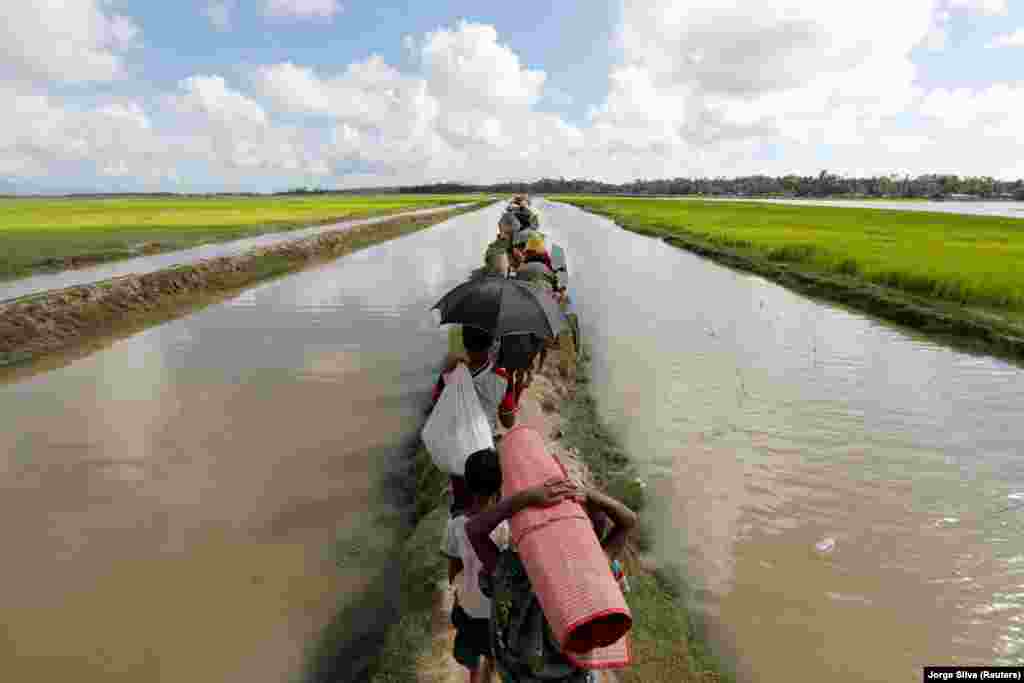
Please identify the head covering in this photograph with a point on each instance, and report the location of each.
(535, 243)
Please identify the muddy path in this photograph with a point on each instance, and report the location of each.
(540, 408)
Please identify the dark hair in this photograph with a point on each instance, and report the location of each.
(476, 340)
(483, 473)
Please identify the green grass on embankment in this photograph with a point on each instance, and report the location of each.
(40, 234)
(667, 638)
(949, 274)
(667, 643)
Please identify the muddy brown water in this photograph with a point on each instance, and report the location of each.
(197, 501)
(835, 489)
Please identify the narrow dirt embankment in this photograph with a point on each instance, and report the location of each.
(79, 319)
(419, 647)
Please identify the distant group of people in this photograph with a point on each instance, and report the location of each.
(498, 622)
(520, 251)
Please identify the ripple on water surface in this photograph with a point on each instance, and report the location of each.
(768, 424)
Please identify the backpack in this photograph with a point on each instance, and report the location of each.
(524, 648)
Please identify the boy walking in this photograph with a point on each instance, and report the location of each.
(472, 610)
(521, 641)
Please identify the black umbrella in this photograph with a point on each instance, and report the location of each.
(501, 307)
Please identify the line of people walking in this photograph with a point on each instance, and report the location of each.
(499, 623)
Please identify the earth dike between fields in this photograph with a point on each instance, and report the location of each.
(79, 319)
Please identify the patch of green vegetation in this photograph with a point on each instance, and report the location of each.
(949, 310)
(271, 265)
(13, 358)
(344, 650)
(421, 567)
(667, 643)
(51, 234)
(976, 260)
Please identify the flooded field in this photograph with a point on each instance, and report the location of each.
(840, 494)
(42, 282)
(197, 502)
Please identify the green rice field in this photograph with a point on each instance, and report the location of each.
(967, 260)
(39, 234)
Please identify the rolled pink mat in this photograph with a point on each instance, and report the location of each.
(568, 569)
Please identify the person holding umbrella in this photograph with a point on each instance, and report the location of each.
(508, 309)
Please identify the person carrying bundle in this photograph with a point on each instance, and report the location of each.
(536, 252)
(522, 643)
(493, 388)
(536, 269)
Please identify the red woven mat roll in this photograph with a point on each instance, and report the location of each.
(568, 569)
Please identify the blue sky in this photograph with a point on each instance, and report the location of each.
(267, 94)
(571, 41)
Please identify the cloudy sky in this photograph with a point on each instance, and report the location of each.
(271, 94)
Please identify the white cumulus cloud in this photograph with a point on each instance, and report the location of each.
(990, 7)
(292, 88)
(698, 90)
(210, 97)
(469, 67)
(73, 41)
(1014, 39)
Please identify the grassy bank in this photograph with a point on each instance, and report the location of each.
(666, 641)
(52, 234)
(957, 277)
(65, 324)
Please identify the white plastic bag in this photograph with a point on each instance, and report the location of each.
(458, 426)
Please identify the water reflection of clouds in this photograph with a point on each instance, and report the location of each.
(391, 276)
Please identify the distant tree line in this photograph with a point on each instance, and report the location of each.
(825, 184)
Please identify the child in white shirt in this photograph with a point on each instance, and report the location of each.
(472, 611)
